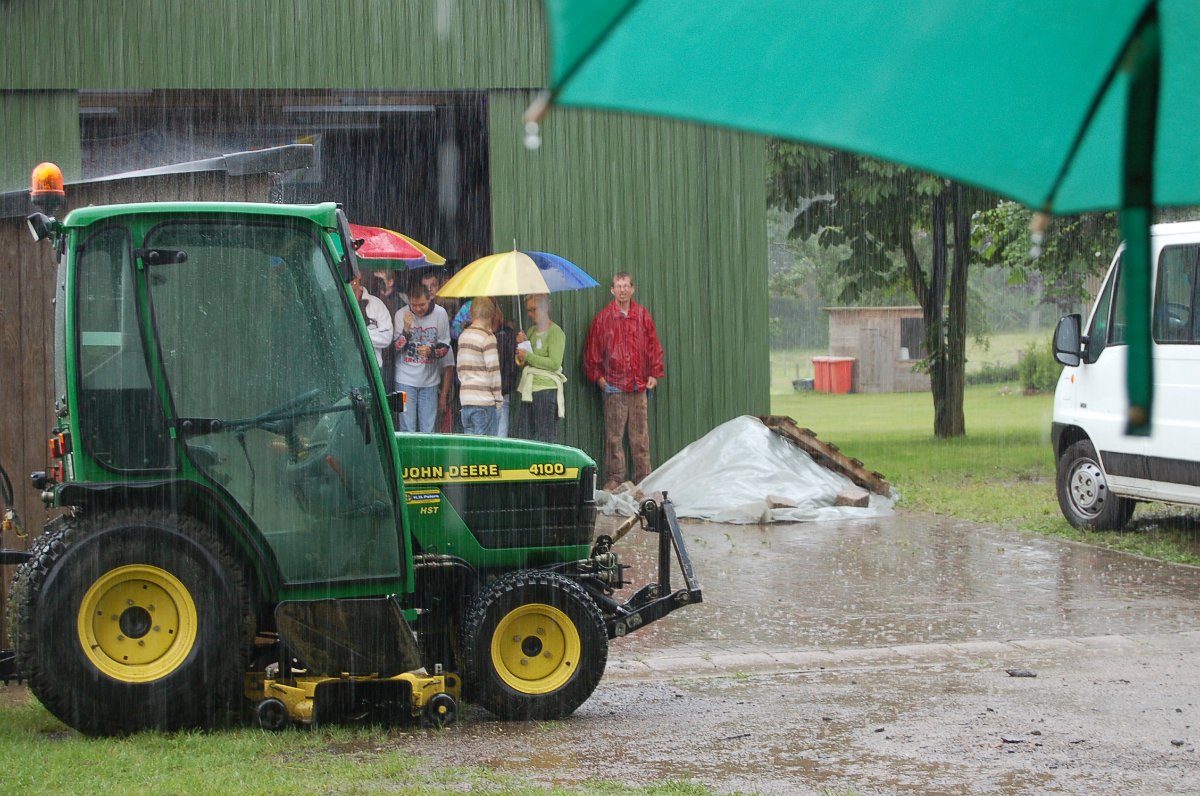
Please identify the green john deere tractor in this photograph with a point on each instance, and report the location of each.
(241, 524)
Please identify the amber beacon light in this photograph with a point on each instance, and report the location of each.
(47, 180)
(46, 188)
(46, 192)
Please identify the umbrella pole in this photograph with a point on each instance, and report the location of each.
(1136, 216)
(517, 299)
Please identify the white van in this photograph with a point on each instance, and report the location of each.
(1101, 471)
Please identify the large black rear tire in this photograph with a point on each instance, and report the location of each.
(1083, 493)
(134, 620)
(535, 645)
(51, 535)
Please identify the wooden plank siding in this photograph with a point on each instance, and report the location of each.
(682, 208)
(26, 378)
(872, 335)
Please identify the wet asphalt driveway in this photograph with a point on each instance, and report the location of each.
(874, 656)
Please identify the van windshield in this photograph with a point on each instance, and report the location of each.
(1108, 321)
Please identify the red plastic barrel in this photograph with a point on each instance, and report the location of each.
(841, 374)
(833, 374)
(821, 380)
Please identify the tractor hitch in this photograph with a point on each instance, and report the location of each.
(654, 600)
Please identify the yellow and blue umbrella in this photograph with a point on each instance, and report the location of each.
(517, 273)
(561, 274)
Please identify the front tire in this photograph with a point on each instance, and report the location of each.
(134, 620)
(1083, 493)
(536, 646)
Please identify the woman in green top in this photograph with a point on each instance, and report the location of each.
(540, 350)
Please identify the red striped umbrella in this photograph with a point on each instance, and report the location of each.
(382, 248)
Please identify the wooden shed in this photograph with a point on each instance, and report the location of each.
(886, 343)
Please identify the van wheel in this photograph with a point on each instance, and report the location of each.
(1083, 493)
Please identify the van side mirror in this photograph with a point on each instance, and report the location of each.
(1067, 340)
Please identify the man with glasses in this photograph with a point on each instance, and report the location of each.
(623, 357)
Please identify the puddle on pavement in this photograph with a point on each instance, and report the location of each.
(778, 735)
(913, 729)
(908, 579)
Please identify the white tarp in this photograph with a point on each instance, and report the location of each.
(728, 474)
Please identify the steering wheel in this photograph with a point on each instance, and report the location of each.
(281, 412)
(1175, 318)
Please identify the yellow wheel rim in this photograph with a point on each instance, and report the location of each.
(535, 649)
(137, 623)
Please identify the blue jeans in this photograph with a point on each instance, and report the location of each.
(422, 407)
(480, 420)
(502, 426)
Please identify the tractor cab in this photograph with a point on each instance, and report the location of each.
(218, 343)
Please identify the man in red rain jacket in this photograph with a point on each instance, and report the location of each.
(622, 356)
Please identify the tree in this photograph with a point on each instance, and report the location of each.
(803, 277)
(881, 209)
(1073, 248)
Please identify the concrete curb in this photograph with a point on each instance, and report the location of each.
(965, 654)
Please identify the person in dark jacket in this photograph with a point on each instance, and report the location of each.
(506, 346)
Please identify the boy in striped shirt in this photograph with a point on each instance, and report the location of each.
(479, 371)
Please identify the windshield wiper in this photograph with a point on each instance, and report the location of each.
(281, 419)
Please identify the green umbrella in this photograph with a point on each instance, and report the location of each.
(1053, 104)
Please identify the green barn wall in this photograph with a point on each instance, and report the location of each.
(130, 44)
(36, 126)
(682, 208)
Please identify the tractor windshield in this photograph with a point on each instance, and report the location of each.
(271, 392)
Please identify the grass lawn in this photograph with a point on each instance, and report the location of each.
(41, 756)
(1001, 472)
